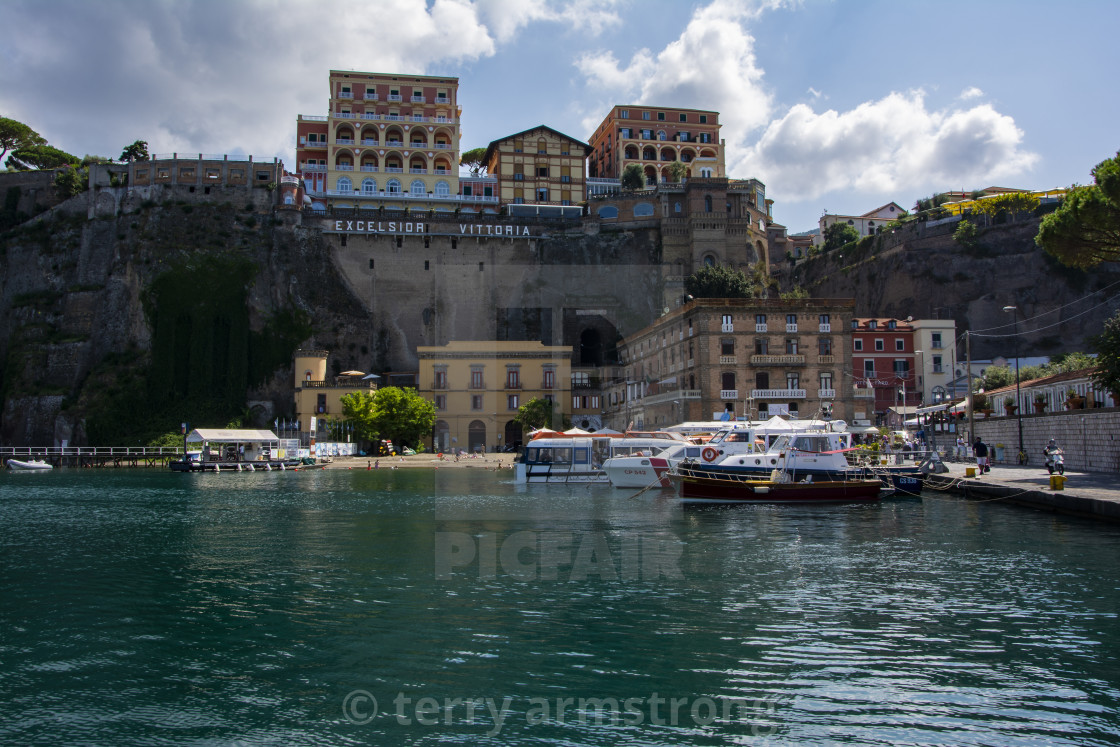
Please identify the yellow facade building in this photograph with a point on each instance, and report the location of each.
(478, 386)
(538, 166)
(319, 396)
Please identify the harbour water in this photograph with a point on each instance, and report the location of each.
(422, 606)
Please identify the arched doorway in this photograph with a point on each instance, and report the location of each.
(590, 348)
(442, 441)
(476, 436)
(513, 435)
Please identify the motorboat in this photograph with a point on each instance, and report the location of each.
(779, 487)
(643, 471)
(563, 457)
(29, 465)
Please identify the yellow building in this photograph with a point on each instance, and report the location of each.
(388, 140)
(538, 166)
(477, 387)
(316, 395)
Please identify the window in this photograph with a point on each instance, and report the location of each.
(825, 320)
(824, 345)
(857, 344)
(542, 195)
(549, 379)
(899, 345)
(661, 116)
(937, 364)
(441, 401)
(369, 186)
(879, 346)
(476, 377)
(417, 188)
(869, 368)
(892, 324)
(513, 378)
(703, 119)
(542, 171)
(727, 380)
(902, 368)
(793, 380)
(761, 346)
(443, 189)
(393, 187)
(826, 381)
(727, 346)
(624, 114)
(476, 401)
(935, 340)
(873, 324)
(684, 117)
(645, 115)
(344, 184)
(513, 401)
(791, 346)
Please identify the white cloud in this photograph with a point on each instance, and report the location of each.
(972, 92)
(711, 65)
(885, 146)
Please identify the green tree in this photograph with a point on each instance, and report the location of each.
(633, 178)
(396, 413)
(997, 377)
(472, 159)
(539, 413)
(839, 234)
(1014, 203)
(715, 281)
(138, 151)
(40, 157)
(966, 234)
(1107, 347)
(15, 135)
(71, 181)
(677, 171)
(1085, 229)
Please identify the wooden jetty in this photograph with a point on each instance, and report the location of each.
(94, 456)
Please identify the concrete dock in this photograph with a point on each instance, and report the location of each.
(1094, 495)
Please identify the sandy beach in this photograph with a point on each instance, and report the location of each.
(425, 461)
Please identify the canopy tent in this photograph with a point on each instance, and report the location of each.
(231, 436)
(577, 432)
(235, 444)
(353, 373)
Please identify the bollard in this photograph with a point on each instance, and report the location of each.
(970, 472)
(1057, 482)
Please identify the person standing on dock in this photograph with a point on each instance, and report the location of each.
(980, 450)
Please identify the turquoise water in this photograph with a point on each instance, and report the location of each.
(140, 607)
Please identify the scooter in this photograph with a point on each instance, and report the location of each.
(1056, 462)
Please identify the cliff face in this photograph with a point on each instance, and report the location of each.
(75, 332)
(171, 305)
(921, 271)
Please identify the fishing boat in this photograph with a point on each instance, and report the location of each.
(29, 465)
(699, 487)
(818, 456)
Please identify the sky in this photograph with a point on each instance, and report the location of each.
(838, 106)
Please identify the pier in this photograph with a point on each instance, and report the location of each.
(1092, 495)
(94, 456)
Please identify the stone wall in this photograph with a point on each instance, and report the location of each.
(1090, 438)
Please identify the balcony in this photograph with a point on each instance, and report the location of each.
(727, 327)
(826, 393)
(777, 360)
(418, 100)
(313, 167)
(394, 97)
(344, 141)
(760, 327)
(394, 170)
(863, 392)
(778, 393)
(824, 328)
(344, 167)
(415, 170)
(370, 115)
(345, 95)
(444, 146)
(727, 360)
(826, 359)
(394, 143)
(729, 394)
(394, 118)
(368, 168)
(370, 96)
(791, 328)
(368, 141)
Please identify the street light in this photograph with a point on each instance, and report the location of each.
(1018, 399)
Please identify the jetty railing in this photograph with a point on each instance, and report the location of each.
(95, 456)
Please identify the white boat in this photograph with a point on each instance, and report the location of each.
(643, 471)
(36, 465)
(560, 457)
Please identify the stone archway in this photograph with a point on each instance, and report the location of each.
(590, 348)
(476, 436)
(442, 440)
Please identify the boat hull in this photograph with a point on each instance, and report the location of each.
(29, 466)
(743, 489)
(908, 481)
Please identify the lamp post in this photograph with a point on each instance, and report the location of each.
(1018, 399)
(919, 388)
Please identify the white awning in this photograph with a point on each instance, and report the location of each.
(230, 436)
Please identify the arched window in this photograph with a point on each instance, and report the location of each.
(344, 184)
(709, 261)
(643, 209)
(393, 187)
(608, 212)
(705, 173)
(443, 189)
(369, 187)
(418, 188)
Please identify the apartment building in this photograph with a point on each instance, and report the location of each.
(387, 140)
(748, 358)
(478, 386)
(655, 137)
(540, 166)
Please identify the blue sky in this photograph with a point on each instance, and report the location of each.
(838, 105)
